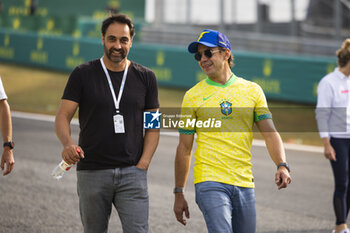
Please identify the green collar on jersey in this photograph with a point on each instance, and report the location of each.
(232, 80)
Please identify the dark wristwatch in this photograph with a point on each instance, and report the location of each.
(10, 144)
(286, 165)
(178, 190)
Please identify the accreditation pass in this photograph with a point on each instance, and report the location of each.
(118, 123)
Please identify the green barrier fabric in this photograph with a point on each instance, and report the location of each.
(282, 78)
(59, 53)
(78, 18)
(134, 8)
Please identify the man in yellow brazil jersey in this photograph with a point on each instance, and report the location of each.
(223, 178)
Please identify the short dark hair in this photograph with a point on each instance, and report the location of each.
(343, 53)
(230, 60)
(119, 18)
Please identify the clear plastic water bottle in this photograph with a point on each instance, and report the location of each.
(60, 169)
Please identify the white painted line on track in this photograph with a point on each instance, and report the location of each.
(38, 117)
(261, 143)
(256, 142)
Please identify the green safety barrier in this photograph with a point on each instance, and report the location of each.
(91, 28)
(78, 18)
(291, 78)
(281, 77)
(96, 9)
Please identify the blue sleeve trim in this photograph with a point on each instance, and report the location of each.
(262, 117)
(186, 131)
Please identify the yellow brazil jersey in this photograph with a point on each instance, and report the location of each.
(225, 115)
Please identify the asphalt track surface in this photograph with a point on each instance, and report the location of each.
(32, 201)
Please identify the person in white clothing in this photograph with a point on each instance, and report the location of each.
(7, 158)
(333, 119)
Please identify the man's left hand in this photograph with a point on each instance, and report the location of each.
(282, 178)
(8, 160)
(142, 165)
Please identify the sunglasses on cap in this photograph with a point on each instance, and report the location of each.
(208, 53)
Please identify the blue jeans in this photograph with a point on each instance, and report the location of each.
(125, 188)
(227, 208)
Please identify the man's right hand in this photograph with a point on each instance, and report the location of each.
(180, 206)
(72, 154)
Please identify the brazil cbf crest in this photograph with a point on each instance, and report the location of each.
(151, 120)
(226, 108)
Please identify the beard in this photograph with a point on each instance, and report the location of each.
(115, 58)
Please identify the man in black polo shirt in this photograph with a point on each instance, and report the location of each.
(112, 93)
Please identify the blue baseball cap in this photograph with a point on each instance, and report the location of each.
(210, 38)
